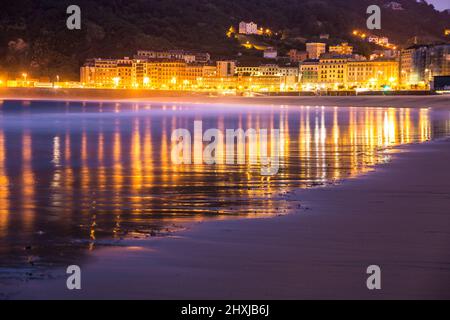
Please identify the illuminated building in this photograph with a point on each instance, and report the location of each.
(193, 72)
(248, 28)
(343, 49)
(384, 54)
(406, 67)
(289, 71)
(383, 41)
(139, 73)
(267, 70)
(209, 71)
(124, 73)
(252, 71)
(394, 6)
(288, 76)
(420, 63)
(226, 68)
(87, 74)
(244, 83)
(315, 49)
(333, 70)
(309, 71)
(166, 74)
(297, 56)
(219, 83)
(438, 61)
(337, 72)
(261, 84)
(373, 74)
(100, 73)
(186, 56)
(378, 40)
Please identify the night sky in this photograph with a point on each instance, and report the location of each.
(440, 4)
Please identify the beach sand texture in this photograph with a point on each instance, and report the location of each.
(396, 217)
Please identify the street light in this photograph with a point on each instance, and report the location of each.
(116, 81)
(25, 75)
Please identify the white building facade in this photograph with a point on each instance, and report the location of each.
(248, 28)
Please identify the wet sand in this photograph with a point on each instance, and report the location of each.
(437, 102)
(396, 217)
(416, 101)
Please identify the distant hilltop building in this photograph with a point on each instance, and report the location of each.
(248, 28)
(394, 6)
(378, 40)
(324, 36)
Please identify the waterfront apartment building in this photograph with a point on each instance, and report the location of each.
(265, 70)
(250, 71)
(315, 49)
(333, 70)
(288, 75)
(407, 67)
(226, 68)
(186, 56)
(373, 74)
(244, 83)
(126, 73)
(419, 64)
(99, 72)
(137, 73)
(269, 70)
(438, 61)
(166, 74)
(309, 72)
(336, 72)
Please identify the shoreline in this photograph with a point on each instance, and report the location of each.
(93, 95)
(321, 252)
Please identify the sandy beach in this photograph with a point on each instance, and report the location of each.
(395, 217)
(437, 102)
(399, 101)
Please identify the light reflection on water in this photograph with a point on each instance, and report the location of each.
(72, 174)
